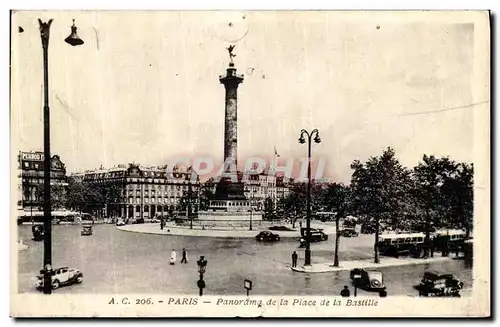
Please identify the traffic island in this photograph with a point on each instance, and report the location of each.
(363, 264)
(154, 228)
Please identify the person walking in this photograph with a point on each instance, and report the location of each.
(345, 292)
(294, 259)
(173, 257)
(184, 256)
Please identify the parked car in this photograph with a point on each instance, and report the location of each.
(138, 221)
(267, 236)
(61, 276)
(120, 222)
(435, 284)
(38, 232)
(348, 232)
(87, 230)
(368, 280)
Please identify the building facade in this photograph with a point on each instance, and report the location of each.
(262, 186)
(30, 181)
(145, 192)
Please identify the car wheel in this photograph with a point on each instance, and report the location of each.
(376, 283)
(55, 284)
(79, 279)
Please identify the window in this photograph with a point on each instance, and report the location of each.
(26, 164)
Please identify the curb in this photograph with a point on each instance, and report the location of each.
(328, 267)
(180, 232)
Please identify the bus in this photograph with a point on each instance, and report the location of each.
(401, 244)
(448, 240)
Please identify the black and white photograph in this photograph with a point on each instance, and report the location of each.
(250, 163)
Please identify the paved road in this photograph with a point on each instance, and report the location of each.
(115, 261)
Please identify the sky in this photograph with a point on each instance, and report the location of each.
(144, 87)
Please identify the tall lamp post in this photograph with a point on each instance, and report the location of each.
(314, 133)
(73, 40)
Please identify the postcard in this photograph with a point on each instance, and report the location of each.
(250, 164)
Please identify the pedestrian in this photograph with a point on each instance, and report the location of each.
(446, 249)
(173, 257)
(345, 292)
(300, 224)
(294, 259)
(433, 247)
(184, 256)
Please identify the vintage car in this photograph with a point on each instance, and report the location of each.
(368, 280)
(350, 222)
(435, 284)
(267, 236)
(120, 222)
(317, 235)
(87, 230)
(61, 276)
(138, 221)
(348, 232)
(38, 232)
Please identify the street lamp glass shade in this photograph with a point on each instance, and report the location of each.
(317, 139)
(73, 38)
(302, 140)
(247, 284)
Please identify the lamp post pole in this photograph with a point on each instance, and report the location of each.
(47, 223)
(73, 39)
(302, 140)
(202, 264)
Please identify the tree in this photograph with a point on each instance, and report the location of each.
(457, 194)
(77, 195)
(379, 191)
(294, 205)
(57, 196)
(269, 210)
(431, 175)
(335, 198)
(206, 194)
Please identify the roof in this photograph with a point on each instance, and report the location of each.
(393, 236)
(450, 232)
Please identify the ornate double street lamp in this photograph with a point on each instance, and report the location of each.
(302, 140)
(73, 40)
(202, 266)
